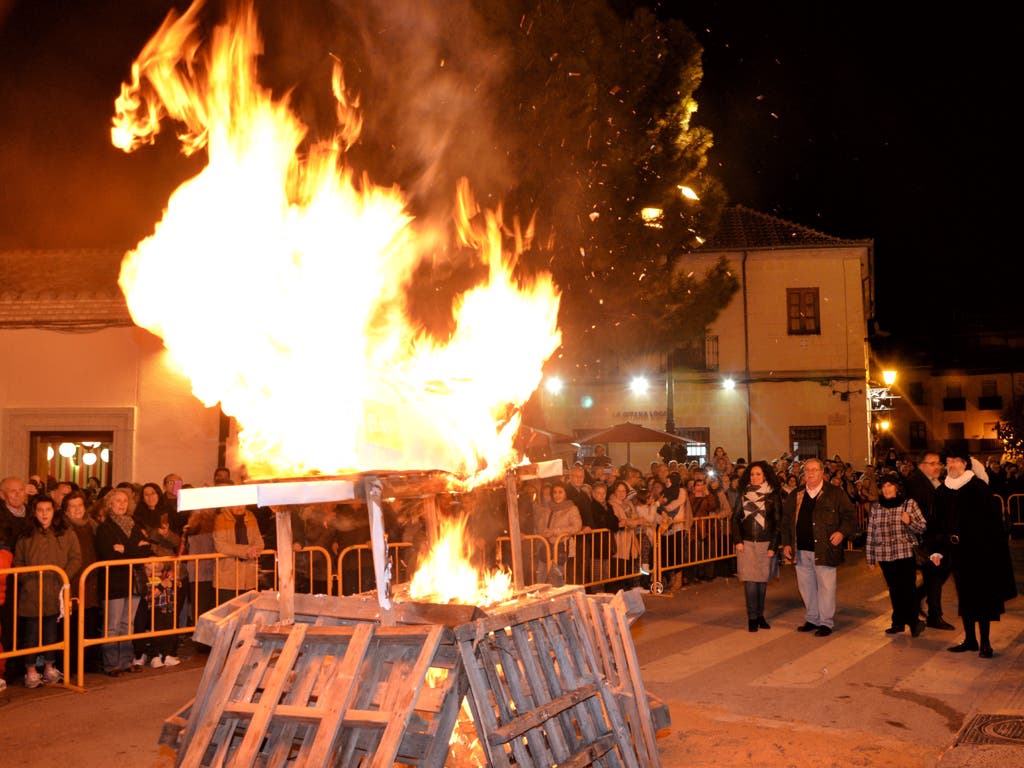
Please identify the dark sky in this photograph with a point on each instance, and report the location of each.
(838, 116)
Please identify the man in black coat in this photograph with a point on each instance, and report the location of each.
(921, 484)
(968, 534)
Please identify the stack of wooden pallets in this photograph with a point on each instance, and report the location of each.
(550, 679)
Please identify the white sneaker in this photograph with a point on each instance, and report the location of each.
(32, 678)
(52, 675)
(156, 663)
(3, 684)
(139, 661)
(171, 661)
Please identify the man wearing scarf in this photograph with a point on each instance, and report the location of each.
(817, 521)
(968, 535)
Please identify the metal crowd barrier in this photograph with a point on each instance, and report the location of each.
(1013, 511)
(593, 559)
(36, 645)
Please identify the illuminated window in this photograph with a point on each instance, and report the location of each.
(803, 311)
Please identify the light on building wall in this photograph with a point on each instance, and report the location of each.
(587, 401)
(89, 458)
(729, 384)
(889, 377)
(639, 385)
(67, 450)
(49, 453)
(884, 425)
(105, 455)
(553, 385)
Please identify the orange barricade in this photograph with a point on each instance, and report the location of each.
(26, 646)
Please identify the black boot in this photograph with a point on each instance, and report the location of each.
(762, 623)
(752, 625)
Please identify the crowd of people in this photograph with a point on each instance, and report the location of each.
(913, 521)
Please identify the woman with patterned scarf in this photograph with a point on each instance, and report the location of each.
(755, 533)
(894, 525)
(119, 538)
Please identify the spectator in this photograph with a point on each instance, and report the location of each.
(920, 486)
(87, 600)
(237, 535)
(816, 522)
(119, 538)
(755, 531)
(969, 534)
(45, 540)
(894, 524)
(198, 540)
(561, 519)
(12, 516)
(6, 561)
(161, 597)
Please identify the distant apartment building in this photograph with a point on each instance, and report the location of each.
(950, 392)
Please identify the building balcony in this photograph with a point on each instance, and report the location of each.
(990, 403)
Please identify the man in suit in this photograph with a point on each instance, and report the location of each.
(817, 521)
(921, 484)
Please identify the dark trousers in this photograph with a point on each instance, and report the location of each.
(754, 593)
(901, 577)
(932, 578)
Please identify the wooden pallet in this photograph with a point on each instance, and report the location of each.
(309, 695)
(610, 617)
(538, 693)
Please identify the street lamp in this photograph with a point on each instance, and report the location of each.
(638, 385)
(889, 377)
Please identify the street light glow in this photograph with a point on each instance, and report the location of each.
(729, 384)
(639, 385)
(553, 385)
(889, 377)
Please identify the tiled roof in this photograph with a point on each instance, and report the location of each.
(72, 289)
(741, 228)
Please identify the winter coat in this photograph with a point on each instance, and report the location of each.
(236, 571)
(113, 581)
(967, 530)
(87, 545)
(746, 528)
(45, 547)
(833, 511)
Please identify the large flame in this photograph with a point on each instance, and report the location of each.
(277, 281)
(447, 576)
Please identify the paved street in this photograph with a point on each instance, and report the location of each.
(773, 698)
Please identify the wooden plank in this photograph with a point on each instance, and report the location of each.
(339, 691)
(408, 684)
(285, 565)
(219, 693)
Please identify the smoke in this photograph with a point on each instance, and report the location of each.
(429, 74)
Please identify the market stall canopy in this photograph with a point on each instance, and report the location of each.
(628, 432)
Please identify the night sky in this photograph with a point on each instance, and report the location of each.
(840, 117)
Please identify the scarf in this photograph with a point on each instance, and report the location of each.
(241, 531)
(960, 482)
(892, 503)
(124, 522)
(753, 502)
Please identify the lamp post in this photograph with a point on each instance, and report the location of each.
(880, 401)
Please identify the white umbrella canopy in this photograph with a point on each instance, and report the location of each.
(627, 432)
